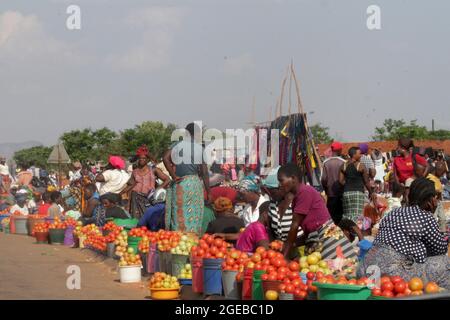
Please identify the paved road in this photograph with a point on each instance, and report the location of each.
(37, 271)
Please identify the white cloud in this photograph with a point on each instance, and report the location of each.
(23, 39)
(158, 26)
(237, 65)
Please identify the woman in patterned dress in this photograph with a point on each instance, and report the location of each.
(409, 243)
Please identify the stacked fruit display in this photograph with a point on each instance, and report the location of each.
(138, 232)
(70, 222)
(77, 231)
(162, 280)
(144, 244)
(235, 260)
(210, 248)
(167, 240)
(57, 224)
(330, 279)
(395, 286)
(186, 272)
(95, 241)
(40, 227)
(121, 243)
(185, 245)
(90, 229)
(114, 231)
(314, 263)
(276, 245)
(130, 258)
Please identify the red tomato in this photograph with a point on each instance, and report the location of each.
(396, 279)
(290, 288)
(270, 269)
(265, 262)
(387, 294)
(272, 277)
(293, 266)
(260, 250)
(297, 291)
(282, 287)
(271, 254)
(385, 279)
(265, 277)
(296, 283)
(258, 266)
(283, 270)
(387, 286)
(218, 243)
(310, 275)
(301, 295)
(256, 258)
(376, 292)
(400, 286)
(286, 281)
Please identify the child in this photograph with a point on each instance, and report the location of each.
(255, 235)
(55, 210)
(45, 204)
(395, 201)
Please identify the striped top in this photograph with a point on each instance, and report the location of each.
(281, 227)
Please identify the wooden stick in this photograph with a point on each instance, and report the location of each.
(282, 92)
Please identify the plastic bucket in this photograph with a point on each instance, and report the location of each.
(133, 242)
(247, 284)
(212, 276)
(271, 285)
(286, 296)
(56, 236)
(197, 274)
(152, 259)
(32, 222)
(165, 265)
(68, 236)
(126, 223)
(178, 263)
(41, 237)
(130, 274)
(329, 291)
(257, 289)
(21, 225)
(229, 282)
(110, 249)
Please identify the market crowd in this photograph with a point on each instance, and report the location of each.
(383, 209)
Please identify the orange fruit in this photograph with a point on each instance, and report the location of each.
(415, 284)
(431, 287)
(416, 293)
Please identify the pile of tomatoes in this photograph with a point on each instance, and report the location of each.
(95, 241)
(57, 224)
(330, 279)
(70, 222)
(210, 248)
(167, 240)
(114, 231)
(235, 260)
(276, 245)
(395, 286)
(138, 232)
(40, 227)
(144, 245)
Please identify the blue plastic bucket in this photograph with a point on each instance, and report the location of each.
(212, 276)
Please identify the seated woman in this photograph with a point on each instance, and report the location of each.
(21, 204)
(409, 243)
(255, 234)
(93, 204)
(250, 193)
(112, 210)
(226, 225)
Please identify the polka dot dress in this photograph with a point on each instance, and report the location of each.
(412, 232)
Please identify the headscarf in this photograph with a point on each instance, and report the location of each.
(143, 151)
(117, 162)
(250, 184)
(223, 204)
(364, 147)
(111, 197)
(271, 181)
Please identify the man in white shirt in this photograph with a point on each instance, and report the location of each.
(76, 174)
(5, 177)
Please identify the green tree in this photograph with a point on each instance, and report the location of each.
(155, 135)
(87, 144)
(395, 129)
(33, 156)
(321, 134)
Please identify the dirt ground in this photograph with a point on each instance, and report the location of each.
(38, 271)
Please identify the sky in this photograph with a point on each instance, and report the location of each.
(180, 61)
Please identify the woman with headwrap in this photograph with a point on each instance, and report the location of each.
(250, 193)
(226, 225)
(114, 179)
(21, 203)
(143, 182)
(185, 202)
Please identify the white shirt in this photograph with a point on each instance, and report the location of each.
(16, 207)
(4, 170)
(115, 181)
(75, 175)
(250, 216)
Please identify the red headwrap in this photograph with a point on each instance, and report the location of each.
(117, 162)
(142, 151)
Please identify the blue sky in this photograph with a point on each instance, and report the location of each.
(179, 61)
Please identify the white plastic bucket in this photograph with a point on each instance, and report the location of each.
(130, 274)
